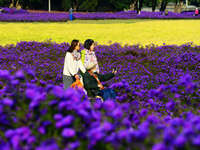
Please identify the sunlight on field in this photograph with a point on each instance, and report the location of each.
(103, 31)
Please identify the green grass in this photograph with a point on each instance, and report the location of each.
(142, 31)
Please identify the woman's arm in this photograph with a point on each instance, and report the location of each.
(81, 66)
(105, 77)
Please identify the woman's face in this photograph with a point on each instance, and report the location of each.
(77, 46)
(92, 47)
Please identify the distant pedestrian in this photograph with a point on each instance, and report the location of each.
(196, 12)
(71, 14)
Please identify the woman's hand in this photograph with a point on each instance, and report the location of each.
(114, 71)
(100, 86)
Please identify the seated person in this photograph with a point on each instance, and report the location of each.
(92, 83)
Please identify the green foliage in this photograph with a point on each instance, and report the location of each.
(194, 2)
(4, 3)
(89, 5)
(66, 5)
(120, 5)
(92, 5)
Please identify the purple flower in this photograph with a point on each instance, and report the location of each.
(107, 126)
(9, 133)
(122, 134)
(143, 112)
(5, 74)
(68, 133)
(169, 135)
(73, 145)
(1, 108)
(117, 113)
(185, 79)
(58, 117)
(49, 144)
(8, 102)
(62, 105)
(196, 140)
(97, 104)
(5, 146)
(96, 115)
(152, 119)
(20, 75)
(53, 102)
(109, 105)
(31, 139)
(83, 113)
(140, 134)
(15, 140)
(159, 146)
(58, 91)
(67, 120)
(31, 93)
(34, 104)
(180, 141)
(111, 138)
(41, 130)
(170, 105)
(96, 134)
(126, 122)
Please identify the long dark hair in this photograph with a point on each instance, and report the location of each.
(74, 43)
(88, 43)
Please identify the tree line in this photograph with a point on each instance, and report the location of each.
(95, 5)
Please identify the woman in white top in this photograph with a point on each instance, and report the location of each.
(72, 64)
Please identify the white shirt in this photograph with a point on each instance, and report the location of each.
(72, 66)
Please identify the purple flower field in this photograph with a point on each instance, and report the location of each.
(157, 105)
(13, 15)
(13, 10)
(134, 15)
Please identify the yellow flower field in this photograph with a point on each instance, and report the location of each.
(142, 32)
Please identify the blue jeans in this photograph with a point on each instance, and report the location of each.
(107, 94)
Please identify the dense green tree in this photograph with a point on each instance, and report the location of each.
(95, 5)
(4, 3)
(105, 5)
(88, 5)
(138, 5)
(120, 5)
(154, 4)
(163, 5)
(66, 5)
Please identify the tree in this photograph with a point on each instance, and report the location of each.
(66, 5)
(120, 5)
(178, 6)
(154, 3)
(4, 3)
(163, 5)
(138, 5)
(88, 5)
